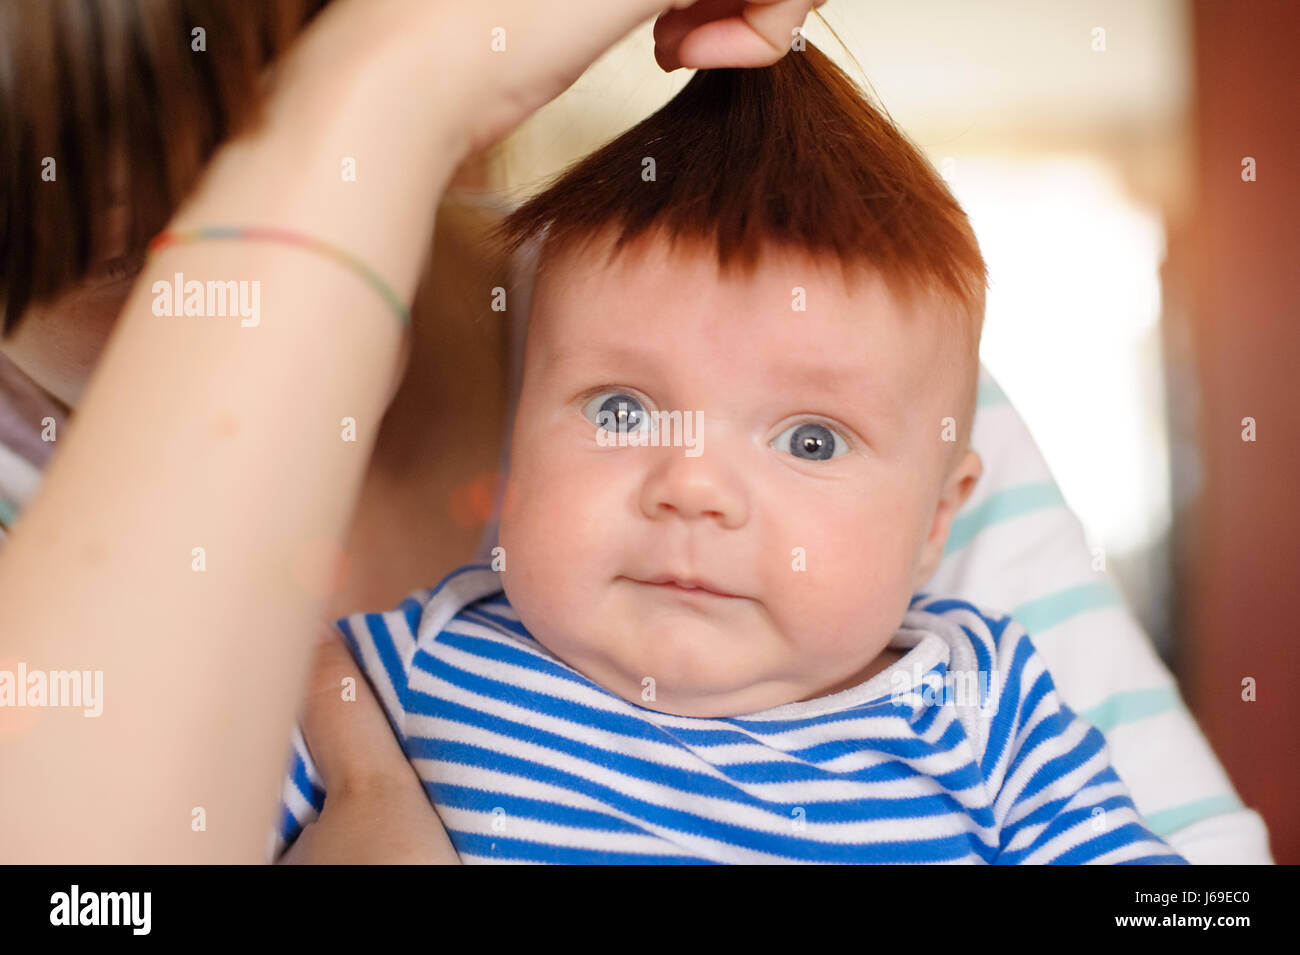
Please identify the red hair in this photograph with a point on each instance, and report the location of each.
(793, 155)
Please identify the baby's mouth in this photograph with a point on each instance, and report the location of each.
(691, 587)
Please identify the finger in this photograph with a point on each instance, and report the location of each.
(344, 724)
(758, 37)
(672, 27)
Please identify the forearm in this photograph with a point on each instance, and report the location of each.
(199, 432)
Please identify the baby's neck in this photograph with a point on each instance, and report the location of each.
(885, 659)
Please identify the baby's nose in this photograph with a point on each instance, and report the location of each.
(695, 488)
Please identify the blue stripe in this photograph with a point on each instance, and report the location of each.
(710, 732)
(1055, 822)
(290, 828)
(382, 640)
(673, 819)
(412, 610)
(1171, 859)
(474, 799)
(302, 782)
(1109, 841)
(712, 785)
(1046, 732)
(487, 619)
(520, 850)
(1011, 711)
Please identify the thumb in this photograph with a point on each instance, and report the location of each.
(711, 34)
(350, 738)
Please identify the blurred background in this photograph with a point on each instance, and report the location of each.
(1131, 170)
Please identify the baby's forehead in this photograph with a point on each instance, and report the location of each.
(657, 266)
(788, 311)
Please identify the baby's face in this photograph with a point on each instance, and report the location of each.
(816, 497)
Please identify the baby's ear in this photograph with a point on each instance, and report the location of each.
(957, 488)
(964, 477)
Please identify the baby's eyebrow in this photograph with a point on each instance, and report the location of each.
(823, 377)
(850, 383)
(614, 356)
(859, 393)
(819, 371)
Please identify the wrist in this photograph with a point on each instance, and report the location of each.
(338, 156)
(486, 67)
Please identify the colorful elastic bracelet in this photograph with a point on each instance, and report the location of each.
(264, 234)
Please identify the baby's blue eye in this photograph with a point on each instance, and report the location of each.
(811, 442)
(617, 412)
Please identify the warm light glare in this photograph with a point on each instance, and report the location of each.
(1072, 331)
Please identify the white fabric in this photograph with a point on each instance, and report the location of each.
(1016, 546)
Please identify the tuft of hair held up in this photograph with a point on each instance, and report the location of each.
(793, 155)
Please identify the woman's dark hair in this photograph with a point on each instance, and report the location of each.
(119, 95)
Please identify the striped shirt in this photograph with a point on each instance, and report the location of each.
(961, 752)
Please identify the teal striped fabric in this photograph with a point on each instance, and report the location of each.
(1017, 545)
(1047, 611)
(1001, 506)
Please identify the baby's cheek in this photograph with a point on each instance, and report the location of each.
(846, 572)
(526, 534)
(844, 616)
(533, 574)
(558, 561)
(828, 550)
(551, 522)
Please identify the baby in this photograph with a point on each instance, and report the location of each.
(700, 637)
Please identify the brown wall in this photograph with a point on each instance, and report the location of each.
(1239, 280)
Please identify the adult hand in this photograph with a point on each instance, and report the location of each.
(375, 809)
(498, 61)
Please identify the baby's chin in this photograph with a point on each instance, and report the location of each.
(692, 671)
